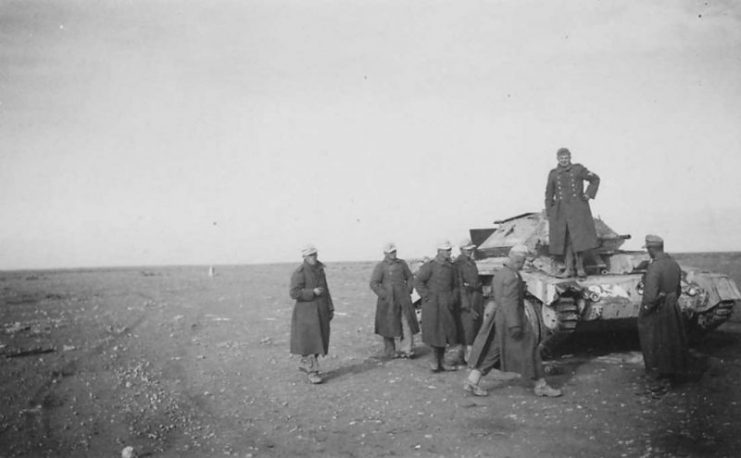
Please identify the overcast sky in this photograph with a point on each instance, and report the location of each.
(197, 132)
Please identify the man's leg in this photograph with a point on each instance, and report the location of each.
(436, 361)
(472, 384)
(310, 365)
(580, 272)
(306, 364)
(568, 261)
(389, 348)
(405, 343)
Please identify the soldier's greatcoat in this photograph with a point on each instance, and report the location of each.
(521, 354)
(471, 299)
(311, 313)
(437, 284)
(660, 322)
(392, 281)
(568, 210)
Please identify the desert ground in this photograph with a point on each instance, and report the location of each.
(173, 362)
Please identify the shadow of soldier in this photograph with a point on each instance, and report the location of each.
(353, 369)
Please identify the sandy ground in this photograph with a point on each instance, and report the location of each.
(174, 363)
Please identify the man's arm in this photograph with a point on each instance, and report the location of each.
(327, 295)
(377, 280)
(408, 277)
(550, 191)
(420, 280)
(298, 290)
(507, 295)
(651, 295)
(593, 180)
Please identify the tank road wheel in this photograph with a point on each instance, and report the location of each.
(559, 320)
(533, 314)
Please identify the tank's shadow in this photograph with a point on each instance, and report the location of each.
(598, 344)
(581, 349)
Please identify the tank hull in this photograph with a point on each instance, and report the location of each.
(610, 296)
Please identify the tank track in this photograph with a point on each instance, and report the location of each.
(711, 319)
(567, 317)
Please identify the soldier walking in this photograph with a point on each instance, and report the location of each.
(660, 323)
(396, 321)
(571, 226)
(471, 298)
(312, 313)
(437, 284)
(513, 345)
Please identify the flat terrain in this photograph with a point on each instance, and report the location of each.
(175, 363)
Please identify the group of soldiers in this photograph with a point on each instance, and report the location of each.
(497, 337)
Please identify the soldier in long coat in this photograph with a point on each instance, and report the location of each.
(471, 298)
(437, 284)
(660, 323)
(570, 222)
(396, 321)
(311, 314)
(514, 342)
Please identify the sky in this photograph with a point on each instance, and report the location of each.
(164, 132)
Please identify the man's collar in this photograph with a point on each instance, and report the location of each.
(661, 255)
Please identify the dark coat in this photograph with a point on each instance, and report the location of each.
(311, 313)
(471, 299)
(483, 344)
(568, 209)
(521, 354)
(392, 281)
(660, 322)
(437, 284)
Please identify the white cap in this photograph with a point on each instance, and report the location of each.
(308, 250)
(389, 247)
(444, 245)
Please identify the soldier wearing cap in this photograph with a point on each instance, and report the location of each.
(571, 226)
(437, 284)
(311, 314)
(471, 298)
(507, 338)
(660, 323)
(396, 321)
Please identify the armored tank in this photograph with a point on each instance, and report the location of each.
(608, 297)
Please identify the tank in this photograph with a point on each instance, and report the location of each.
(609, 297)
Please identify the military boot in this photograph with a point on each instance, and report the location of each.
(568, 263)
(471, 384)
(543, 389)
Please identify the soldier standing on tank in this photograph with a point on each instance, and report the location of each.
(507, 338)
(437, 284)
(311, 314)
(571, 226)
(660, 323)
(396, 321)
(471, 298)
